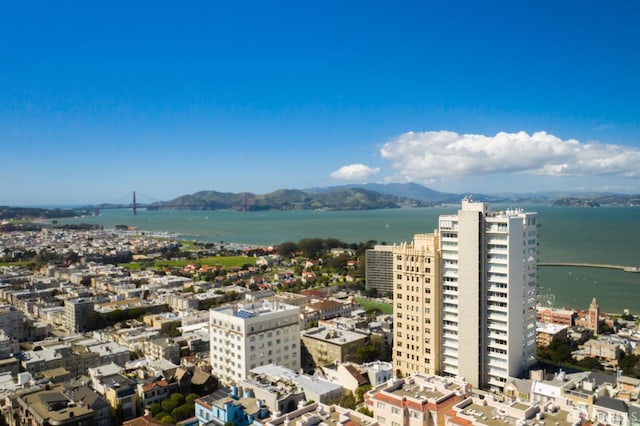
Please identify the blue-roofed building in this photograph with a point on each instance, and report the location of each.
(227, 405)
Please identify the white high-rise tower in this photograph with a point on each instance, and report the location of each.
(489, 284)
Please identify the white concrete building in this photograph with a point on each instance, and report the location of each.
(246, 336)
(489, 289)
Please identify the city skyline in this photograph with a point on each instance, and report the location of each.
(167, 99)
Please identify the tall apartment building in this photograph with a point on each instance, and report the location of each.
(416, 299)
(378, 262)
(75, 312)
(465, 297)
(246, 336)
(489, 289)
(12, 322)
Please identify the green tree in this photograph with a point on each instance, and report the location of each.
(366, 353)
(360, 391)
(191, 398)
(630, 365)
(182, 412)
(287, 249)
(311, 247)
(178, 398)
(590, 363)
(168, 405)
(167, 420)
(339, 262)
(364, 410)
(155, 408)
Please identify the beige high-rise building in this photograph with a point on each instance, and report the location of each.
(465, 297)
(416, 299)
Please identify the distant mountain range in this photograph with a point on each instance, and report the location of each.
(346, 197)
(375, 196)
(291, 199)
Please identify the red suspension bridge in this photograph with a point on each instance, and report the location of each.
(147, 203)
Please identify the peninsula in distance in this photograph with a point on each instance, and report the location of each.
(348, 197)
(374, 196)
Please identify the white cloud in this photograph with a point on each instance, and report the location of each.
(426, 156)
(355, 172)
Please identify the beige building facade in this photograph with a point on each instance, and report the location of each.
(416, 298)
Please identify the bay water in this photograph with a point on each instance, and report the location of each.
(605, 235)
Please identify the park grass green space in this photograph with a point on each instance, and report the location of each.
(367, 304)
(21, 263)
(224, 261)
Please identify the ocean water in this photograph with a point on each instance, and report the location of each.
(605, 235)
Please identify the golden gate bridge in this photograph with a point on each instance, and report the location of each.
(147, 203)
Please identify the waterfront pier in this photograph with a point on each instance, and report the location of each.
(592, 265)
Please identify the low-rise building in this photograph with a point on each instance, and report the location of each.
(329, 345)
(546, 332)
(416, 400)
(322, 414)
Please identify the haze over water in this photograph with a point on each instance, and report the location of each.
(606, 235)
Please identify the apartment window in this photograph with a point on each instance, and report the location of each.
(395, 410)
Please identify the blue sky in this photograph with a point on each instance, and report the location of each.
(98, 99)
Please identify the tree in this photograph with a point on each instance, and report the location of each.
(339, 262)
(366, 353)
(167, 420)
(364, 410)
(311, 247)
(590, 363)
(630, 365)
(178, 398)
(155, 408)
(191, 398)
(287, 249)
(361, 390)
(168, 405)
(346, 400)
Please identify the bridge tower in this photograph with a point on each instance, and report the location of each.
(134, 204)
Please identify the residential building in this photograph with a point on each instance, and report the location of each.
(154, 391)
(162, 348)
(378, 264)
(416, 400)
(52, 407)
(75, 313)
(329, 345)
(226, 406)
(120, 393)
(247, 335)
(313, 387)
(325, 309)
(416, 298)
(12, 322)
(489, 289)
(546, 332)
(556, 316)
(322, 414)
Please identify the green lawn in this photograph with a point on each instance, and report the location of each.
(225, 261)
(21, 263)
(385, 308)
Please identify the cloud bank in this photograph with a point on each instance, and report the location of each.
(426, 156)
(355, 172)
